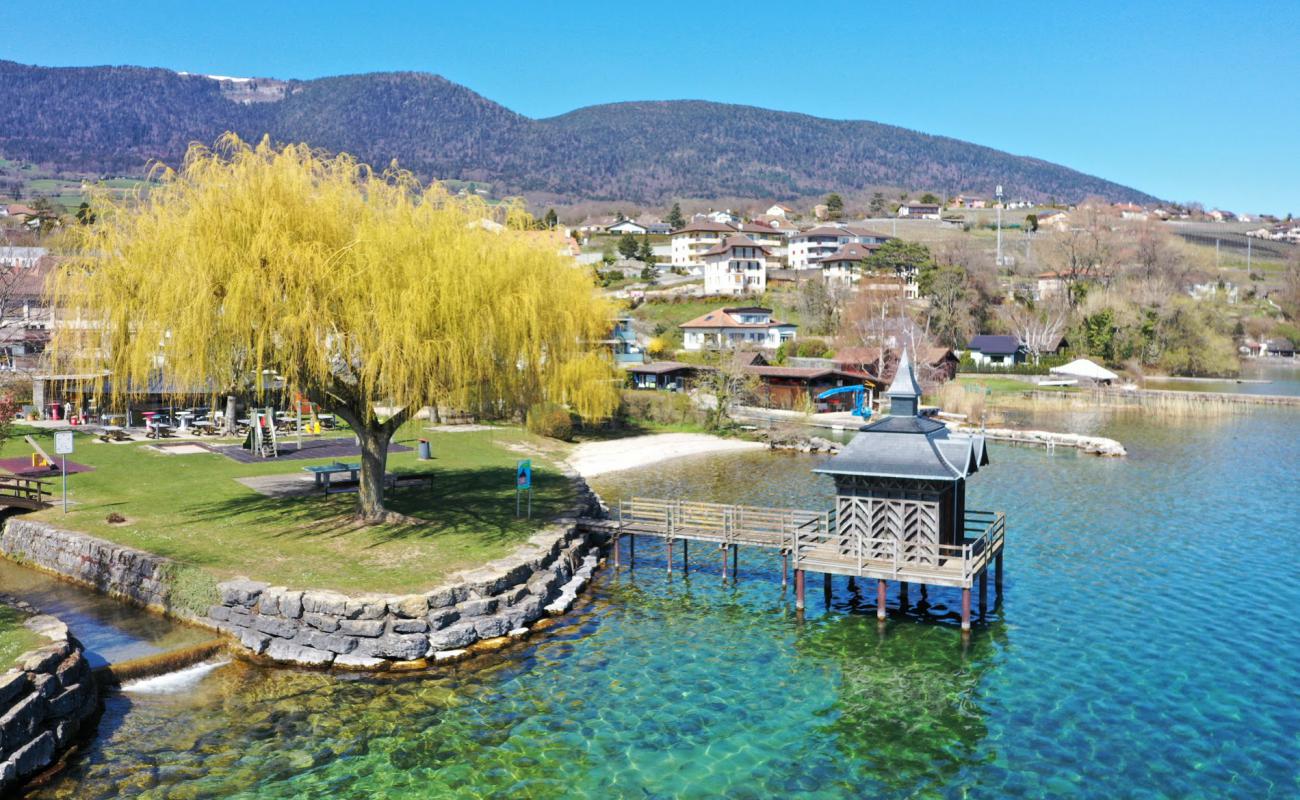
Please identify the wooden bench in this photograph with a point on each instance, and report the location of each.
(407, 480)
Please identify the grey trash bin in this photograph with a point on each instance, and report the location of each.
(425, 452)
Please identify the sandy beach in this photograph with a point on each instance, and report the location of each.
(597, 458)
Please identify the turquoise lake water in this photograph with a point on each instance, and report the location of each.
(1145, 646)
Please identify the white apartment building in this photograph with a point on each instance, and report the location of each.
(738, 265)
(750, 326)
(689, 244)
(773, 239)
(808, 247)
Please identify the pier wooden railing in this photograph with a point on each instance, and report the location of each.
(716, 522)
(814, 543)
(24, 492)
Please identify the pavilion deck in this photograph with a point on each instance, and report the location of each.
(809, 541)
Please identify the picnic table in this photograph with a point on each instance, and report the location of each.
(114, 433)
(325, 473)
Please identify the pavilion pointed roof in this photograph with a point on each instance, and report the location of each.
(907, 445)
(905, 384)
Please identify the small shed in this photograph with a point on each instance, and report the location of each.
(670, 375)
(902, 480)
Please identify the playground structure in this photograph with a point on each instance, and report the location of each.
(859, 395)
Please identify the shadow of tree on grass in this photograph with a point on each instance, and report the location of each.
(480, 501)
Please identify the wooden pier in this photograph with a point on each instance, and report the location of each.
(810, 541)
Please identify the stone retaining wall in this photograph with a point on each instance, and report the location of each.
(321, 627)
(121, 572)
(44, 702)
(318, 627)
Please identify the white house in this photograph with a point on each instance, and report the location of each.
(748, 326)
(845, 266)
(737, 265)
(628, 226)
(810, 246)
(778, 210)
(690, 243)
(919, 210)
(772, 238)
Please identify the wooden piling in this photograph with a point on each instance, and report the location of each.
(735, 562)
(965, 608)
(984, 592)
(686, 556)
(631, 551)
(997, 574)
(902, 595)
(880, 599)
(798, 589)
(785, 567)
(616, 543)
(670, 556)
(722, 548)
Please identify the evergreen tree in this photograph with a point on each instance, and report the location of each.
(675, 218)
(551, 219)
(834, 206)
(627, 246)
(645, 252)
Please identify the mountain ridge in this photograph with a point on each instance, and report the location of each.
(115, 119)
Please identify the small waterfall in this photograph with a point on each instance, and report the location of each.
(180, 680)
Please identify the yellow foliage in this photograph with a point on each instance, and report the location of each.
(355, 287)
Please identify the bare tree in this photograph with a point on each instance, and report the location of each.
(1039, 326)
(729, 382)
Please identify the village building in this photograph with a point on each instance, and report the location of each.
(741, 326)
(672, 376)
(690, 243)
(778, 210)
(845, 266)
(807, 248)
(1048, 285)
(628, 226)
(995, 350)
(797, 387)
(737, 265)
(773, 239)
(623, 343)
(919, 211)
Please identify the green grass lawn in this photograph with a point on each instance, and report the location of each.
(191, 508)
(14, 638)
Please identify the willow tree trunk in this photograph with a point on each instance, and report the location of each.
(231, 412)
(374, 439)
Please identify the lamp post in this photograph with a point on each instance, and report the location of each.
(998, 195)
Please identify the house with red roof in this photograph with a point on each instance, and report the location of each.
(738, 327)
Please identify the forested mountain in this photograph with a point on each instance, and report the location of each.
(115, 119)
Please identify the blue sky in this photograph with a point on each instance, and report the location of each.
(1196, 102)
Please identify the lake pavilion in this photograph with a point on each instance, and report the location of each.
(899, 512)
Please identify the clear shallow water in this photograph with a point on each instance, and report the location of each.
(1146, 647)
(111, 632)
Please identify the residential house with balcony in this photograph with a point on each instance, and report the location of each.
(622, 342)
(690, 243)
(742, 326)
(737, 265)
(808, 248)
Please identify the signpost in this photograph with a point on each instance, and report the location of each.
(524, 482)
(62, 447)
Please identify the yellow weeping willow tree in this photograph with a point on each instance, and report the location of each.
(359, 289)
